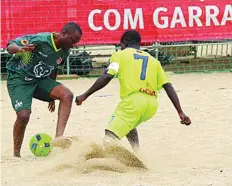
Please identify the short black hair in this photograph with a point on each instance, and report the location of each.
(71, 26)
(131, 37)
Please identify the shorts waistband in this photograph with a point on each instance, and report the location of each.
(147, 91)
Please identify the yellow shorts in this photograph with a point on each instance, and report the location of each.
(132, 111)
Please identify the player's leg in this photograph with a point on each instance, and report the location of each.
(149, 105)
(20, 124)
(124, 121)
(117, 128)
(129, 114)
(50, 90)
(20, 93)
(133, 139)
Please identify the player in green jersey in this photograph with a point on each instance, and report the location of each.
(141, 76)
(32, 73)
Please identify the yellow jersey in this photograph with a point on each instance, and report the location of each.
(136, 69)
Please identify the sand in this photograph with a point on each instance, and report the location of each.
(176, 155)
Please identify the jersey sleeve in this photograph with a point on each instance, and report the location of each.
(114, 64)
(27, 39)
(161, 76)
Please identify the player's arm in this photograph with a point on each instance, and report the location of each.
(163, 82)
(23, 44)
(169, 89)
(102, 81)
(175, 100)
(14, 48)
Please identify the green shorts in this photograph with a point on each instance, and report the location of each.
(131, 112)
(22, 89)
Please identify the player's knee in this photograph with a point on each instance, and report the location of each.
(62, 93)
(23, 116)
(67, 96)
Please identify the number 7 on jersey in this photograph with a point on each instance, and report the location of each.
(144, 65)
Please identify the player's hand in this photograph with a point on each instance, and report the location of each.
(27, 48)
(80, 99)
(184, 119)
(51, 106)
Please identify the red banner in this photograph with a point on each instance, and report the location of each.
(104, 21)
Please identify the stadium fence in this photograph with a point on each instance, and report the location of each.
(181, 57)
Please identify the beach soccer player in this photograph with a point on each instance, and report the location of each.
(141, 76)
(31, 73)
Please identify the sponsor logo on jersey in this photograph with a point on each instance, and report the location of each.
(24, 42)
(59, 60)
(42, 70)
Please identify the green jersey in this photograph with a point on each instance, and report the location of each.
(42, 61)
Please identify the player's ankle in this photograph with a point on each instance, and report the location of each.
(17, 155)
(136, 148)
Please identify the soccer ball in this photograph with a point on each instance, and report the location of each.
(40, 144)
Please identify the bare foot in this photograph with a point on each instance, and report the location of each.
(62, 142)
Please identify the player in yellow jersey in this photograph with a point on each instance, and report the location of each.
(141, 76)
